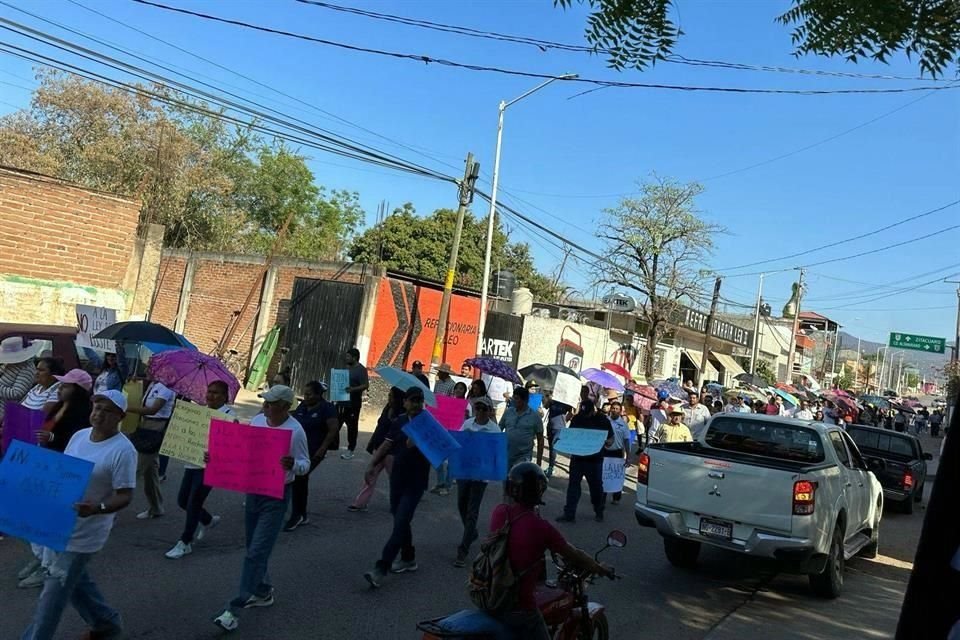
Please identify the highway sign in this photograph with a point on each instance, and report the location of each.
(917, 343)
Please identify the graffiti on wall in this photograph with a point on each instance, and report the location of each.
(625, 355)
(405, 325)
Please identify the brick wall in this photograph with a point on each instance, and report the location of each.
(58, 232)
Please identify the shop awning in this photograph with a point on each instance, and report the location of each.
(728, 363)
(696, 357)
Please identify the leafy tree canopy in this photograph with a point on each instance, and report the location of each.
(637, 33)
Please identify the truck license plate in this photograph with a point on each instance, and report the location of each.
(716, 528)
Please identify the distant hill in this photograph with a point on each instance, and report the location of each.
(924, 361)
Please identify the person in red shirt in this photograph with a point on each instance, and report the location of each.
(530, 538)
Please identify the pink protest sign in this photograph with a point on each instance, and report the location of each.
(247, 459)
(450, 412)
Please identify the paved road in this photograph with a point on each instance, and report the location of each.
(321, 594)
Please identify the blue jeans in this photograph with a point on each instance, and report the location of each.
(443, 476)
(263, 520)
(68, 581)
(403, 504)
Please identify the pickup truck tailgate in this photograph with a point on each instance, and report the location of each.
(749, 497)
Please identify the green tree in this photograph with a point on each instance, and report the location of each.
(638, 33)
(421, 245)
(656, 246)
(765, 370)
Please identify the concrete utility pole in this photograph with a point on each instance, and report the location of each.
(955, 354)
(706, 335)
(755, 352)
(793, 334)
(470, 173)
(836, 343)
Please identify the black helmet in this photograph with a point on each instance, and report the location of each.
(526, 483)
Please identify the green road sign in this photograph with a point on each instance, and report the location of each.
(917, 343)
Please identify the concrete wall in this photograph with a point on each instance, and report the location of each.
(63, 245)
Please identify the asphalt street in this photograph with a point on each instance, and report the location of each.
(320, 591)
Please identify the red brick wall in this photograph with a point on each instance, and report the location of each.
(55, 231)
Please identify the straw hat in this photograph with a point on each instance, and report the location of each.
(12, 350)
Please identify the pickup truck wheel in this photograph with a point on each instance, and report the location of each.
(681, 553)
(829, 582)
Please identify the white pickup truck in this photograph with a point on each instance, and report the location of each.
(792, 490)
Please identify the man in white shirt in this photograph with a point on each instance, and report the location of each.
(264, 515)
(736, 406)
(470, 492)
(695, 415)
(156, 410)
(802, 412)
(658, 416)
(110, 489)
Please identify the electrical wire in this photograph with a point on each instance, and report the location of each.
(528, 74)
(886, 295)
(853, 294)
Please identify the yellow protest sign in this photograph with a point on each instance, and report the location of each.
(134, 393)
(188, 432)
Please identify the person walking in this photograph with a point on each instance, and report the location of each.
(802, 412)
(391, 411)
(588, 466)
(109, 490)
(417, 370)
(17, 371)
(70, 414)
(621, 441)
(557, 414)
(470, 492)
(263, 515)
(523, 427)
(110, 376)
(157, 408)
(408, 481)
(349, 412)
(478, 391)
(319, 421)
(193, 492)
(444, 384)
(675, 430)
(695, 415)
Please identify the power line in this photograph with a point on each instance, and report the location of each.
(886, 295)
(847, 295)
(528, 74)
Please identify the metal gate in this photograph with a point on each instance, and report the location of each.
(321, 327)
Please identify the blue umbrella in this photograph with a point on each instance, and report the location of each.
(403, 380)
(789, 397)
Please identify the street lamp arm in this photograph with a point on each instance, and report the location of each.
(568, 76)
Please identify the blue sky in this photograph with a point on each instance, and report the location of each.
(567, 158)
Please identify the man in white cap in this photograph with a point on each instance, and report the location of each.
(110, 489)
(17, 371)
(264, 515)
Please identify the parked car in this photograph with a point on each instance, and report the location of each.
(61, 340)
(903, 475)
(798, 492)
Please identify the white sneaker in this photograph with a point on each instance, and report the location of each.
(179, 550)
(147, 515)
(227, 621)
(346, 455)
(202, 530)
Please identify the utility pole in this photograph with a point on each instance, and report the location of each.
(755, 352)
(955, 354)
(470, 173)
(856, 372)
(706, 335)
(836, 344)
(899, 373)
(793, 334)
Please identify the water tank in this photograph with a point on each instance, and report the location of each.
(504, 282)
(521, 303)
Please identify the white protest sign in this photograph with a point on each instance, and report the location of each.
(91, 321)
(566, 390)
(613, 474)
(339, 381)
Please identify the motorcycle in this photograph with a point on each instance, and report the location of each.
(565, 607)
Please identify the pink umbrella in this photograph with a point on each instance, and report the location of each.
(617, 369)
(189, 373)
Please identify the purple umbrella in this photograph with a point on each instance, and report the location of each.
(603, 378)
(495, 368)
(189, 373)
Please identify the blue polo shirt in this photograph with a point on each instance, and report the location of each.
(314, 422)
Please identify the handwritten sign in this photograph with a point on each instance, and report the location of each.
(91, 321)
(134, 393)
(247, 459)
(566, 390)
(38, 488)
(20, 423)
(580, 442)
(339, 381)
(535, 401)
(613, 474)
(450, 412)
(435, 443)
(188, 432)
(481, 456)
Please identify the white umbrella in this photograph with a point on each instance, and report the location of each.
(403, 380)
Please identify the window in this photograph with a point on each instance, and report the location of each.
(886, 442)
(740, 433)
(858, 461)
(840, 448)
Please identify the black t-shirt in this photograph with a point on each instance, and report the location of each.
(410, 468)
(314, 422)
(358, 376)
(592, 421)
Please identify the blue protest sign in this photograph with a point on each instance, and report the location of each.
(580, 442)
(481, 456)
(536, 399)
(434, 442)
(38, 489)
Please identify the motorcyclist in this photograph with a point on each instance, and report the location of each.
(530, 537)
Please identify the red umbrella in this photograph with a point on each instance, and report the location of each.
(641, 389)
(617, 369)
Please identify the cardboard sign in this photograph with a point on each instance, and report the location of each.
(90, 322)
(38, 488)
(435, 443)
(580, 442)
(566, 390)
(134, 393)
(450, 412)
(481, 456)
(339, 381)
(614, 471)
(535, 401)
(188, 432)
(20, 423)
(247, 459)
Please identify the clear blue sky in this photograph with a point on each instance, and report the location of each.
(569, 156)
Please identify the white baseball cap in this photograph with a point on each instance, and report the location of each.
(278, 392)
(116, 397)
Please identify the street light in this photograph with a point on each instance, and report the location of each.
(493, 203)
(856, 372)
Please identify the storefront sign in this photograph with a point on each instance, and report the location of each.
(697, 321)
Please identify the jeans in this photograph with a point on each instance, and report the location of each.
(469, 498)
(68, 581)
(403, 504)
(263, 520)
(363, 498)
(300, 492)
(191, 497)
(552, 460)
(147, 471)
(593, 471)
(349, 415)
(443, 476)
